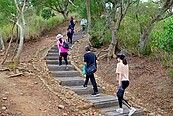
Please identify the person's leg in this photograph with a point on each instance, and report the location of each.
(132, 110)
(93, 81)
(60, 59)
(68, 38)
(120, 98)
(125, 84)
(71, 38)
(65, 57)
(86, 81)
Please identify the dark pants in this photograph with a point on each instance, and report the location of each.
(93, 81)
(70, 39)
(121, 100)
(83, 27)
(64, 54)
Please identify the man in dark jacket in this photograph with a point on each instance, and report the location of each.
(90, 59)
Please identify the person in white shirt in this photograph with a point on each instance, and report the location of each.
(122, 72)
(83, 24)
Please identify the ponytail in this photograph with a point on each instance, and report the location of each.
(124, 61)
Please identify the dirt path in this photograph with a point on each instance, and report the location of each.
(27, 95)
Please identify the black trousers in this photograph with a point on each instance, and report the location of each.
(70, 39)
(63, 54)
(93, 81)
(121, 100)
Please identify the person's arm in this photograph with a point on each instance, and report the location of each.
(119, 80)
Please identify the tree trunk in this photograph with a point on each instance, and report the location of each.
(144, 39)
(65, 15)
(113, 44)
(17, 57)
(22, 31)
(1, 41)
(89, 17)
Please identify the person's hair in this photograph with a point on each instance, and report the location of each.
(122, 57)
(87, 48)
(124, 61)
(60, 40)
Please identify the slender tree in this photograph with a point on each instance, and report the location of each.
(22, 27)
(1, 41)
(89, 17)
(164, 11)
(114, 16)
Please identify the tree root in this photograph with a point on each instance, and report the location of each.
(104, 55)
(16, 75)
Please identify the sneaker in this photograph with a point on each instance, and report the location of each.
(132, 111)
(119, 110)
(85, 86)
(95, 94)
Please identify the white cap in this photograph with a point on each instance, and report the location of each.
(59, 36)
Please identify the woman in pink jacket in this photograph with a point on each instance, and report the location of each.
(62, 51)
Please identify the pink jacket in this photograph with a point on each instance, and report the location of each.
(61, 49)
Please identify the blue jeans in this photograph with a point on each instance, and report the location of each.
(93, 81)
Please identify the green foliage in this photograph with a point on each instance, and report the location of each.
(58, 19)
(97, 29)
(7, 7)
(35, 25)
(47, 13)
(11, 65)
(96, 8)
(6, 31)
(164, 38)
(129, 33)
(170, 72)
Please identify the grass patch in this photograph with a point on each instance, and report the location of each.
(170, 72)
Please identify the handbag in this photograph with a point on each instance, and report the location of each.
(120, 92)
(91, 69)
(84, 70)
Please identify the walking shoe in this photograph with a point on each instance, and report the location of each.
(85, 86)
(95, 94)
(119, 110)
(132, 111)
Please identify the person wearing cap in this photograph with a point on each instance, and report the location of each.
(122, 72)
(72, 22)
(90, 59)
(62, 51)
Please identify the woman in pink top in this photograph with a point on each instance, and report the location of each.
(62, 51)
(122, 71)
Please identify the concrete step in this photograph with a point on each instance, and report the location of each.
(111, 111)
(60, 68)
(52, 53)
(65, 73)
(80, 90)
(72, 81)
(56, 62)
(52, 58)
(103, 100)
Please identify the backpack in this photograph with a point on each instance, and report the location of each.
(69, 31)
(65, 45)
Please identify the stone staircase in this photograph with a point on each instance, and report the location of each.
(72, 79)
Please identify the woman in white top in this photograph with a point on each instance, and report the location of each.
(122, 72)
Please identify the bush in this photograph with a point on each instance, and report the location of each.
(35, 25)
(163, 39)
(97, 29)
(47, 13)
